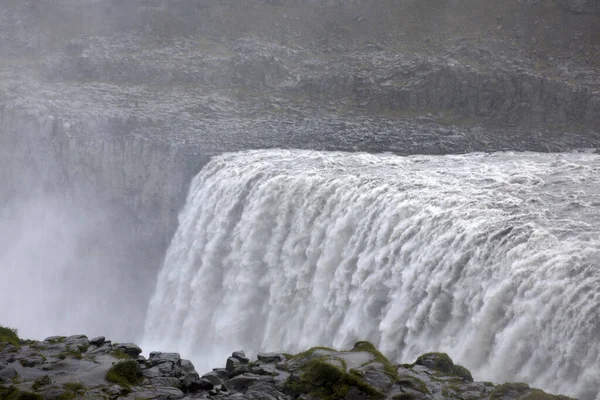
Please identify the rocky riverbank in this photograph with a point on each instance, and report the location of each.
(76, 367)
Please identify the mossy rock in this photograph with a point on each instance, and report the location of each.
(41, 382)
(308, 353)
(13, 393)
(388, 367)
(413, 383)
(125, 373)
(9, 335)
(443, 363)
(120, 354)
(514, 389)
(322, 380)
(437, 361)
(523, 392)
(537, 394)
(463, 372)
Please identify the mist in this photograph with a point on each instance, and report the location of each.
(66, 270)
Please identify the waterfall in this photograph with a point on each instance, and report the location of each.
(493, 258)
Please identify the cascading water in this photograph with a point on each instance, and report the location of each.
(493, 258)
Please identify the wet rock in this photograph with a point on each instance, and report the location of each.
(241, 383)
(98, 341)
(214, 378)
(130, 349)
(241, 356)
(166, 381)
(7, 374)
(270, 357)
(232, 364)
(159, 358)
(222, 373)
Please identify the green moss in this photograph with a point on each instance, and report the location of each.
(74, 386)
(120, 355)
(413, 383)
(309, 352)
(74, 390)
(9, 335)
(537, 394)
(125, 373)
(325, 381)
(441, 362)
(514, 388)
(41, 382)
(60, 339)
(444, 364)
(388, 367)
(70, 353)
(462, 372)
(83, 348)
(13, 393)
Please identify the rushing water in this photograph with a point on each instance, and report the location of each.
(493, 258)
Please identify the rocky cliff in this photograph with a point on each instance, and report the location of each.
(76, 367)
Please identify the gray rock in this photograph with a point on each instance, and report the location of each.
(241, 383)
(270, 357)
(51, 339)
(187, 366)
(214, 378)
(240, 355)
(105, 348)
(232, 364)
(130, 349)
(222, 373)
(153, 372)
(166, 369)
(7, 374)
(193, 383)
(98, 341)
(166, 381)
(159, 358)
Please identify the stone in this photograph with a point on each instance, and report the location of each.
(98, 341)
(241, 383)
(214, 378)
(166, 381)
(54, 339)
(240, 355)
(166, 368)
(222, 373)
(232, 364)
(270, 357)
(159, 358)
(150, 373)
(187, 366)
(130, 349)
(7, 374)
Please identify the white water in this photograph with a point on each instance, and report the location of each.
(494, 259)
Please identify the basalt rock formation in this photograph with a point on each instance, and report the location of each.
(76, 367)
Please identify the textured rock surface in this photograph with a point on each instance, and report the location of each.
(319, 373)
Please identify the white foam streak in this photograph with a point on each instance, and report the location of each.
(492, 258)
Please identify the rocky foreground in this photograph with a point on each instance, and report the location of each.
(73, 367)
